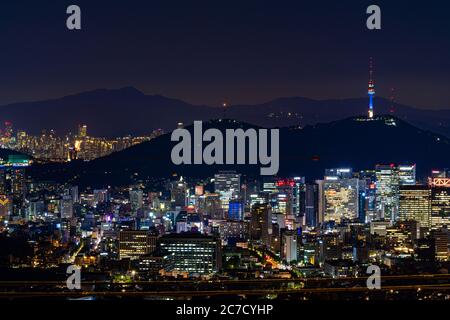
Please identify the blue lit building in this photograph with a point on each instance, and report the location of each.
(235, 211)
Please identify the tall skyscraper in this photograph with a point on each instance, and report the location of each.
(339, 196)
(311, 204)
(290, 248)
(261, 223)
(371, 90)
(441, 241)
(74, 193)
(440, 206)
(284, 197)
(178, 193)
(100, 196)
(66, 207)
(228, 185)
(415, 204)
(136, 199)
(387, 184)
(18, 184)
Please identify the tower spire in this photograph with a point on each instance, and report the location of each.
(371, 90)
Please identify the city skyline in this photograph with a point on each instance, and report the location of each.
(214, 152)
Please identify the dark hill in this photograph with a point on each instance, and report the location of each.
(308, 151)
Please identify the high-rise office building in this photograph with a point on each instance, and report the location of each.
(100, 196)
(232, 231)
(387, 184)
(311, 204)
(407, 174)
(235, 210)
(289, 198)
(136, 199)
(178, 193)
(342, 173)
(441, 241)
(261, 223)
(415, 204)
(330, 248)
(74, 194)
(18, 181)
(227, 181)
(193, 253)
(135, 243)
(440, 201)
(290, 247)
(228, 185)
(339, 196)
(368, 210)
(66, 207)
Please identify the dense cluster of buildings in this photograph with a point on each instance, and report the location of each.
(231, 225)
(50, 147)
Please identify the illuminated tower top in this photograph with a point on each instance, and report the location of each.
(371, 90)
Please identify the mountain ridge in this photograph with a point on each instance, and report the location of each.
(127, 110)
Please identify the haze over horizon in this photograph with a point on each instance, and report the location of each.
(229, 103)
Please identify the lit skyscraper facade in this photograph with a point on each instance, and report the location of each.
(228, 185)
(311, 204)
(387, 184)
(339, 196)
(235, 210)
(289, 252)
(407, 174)
(440, 206)
(134, 243)
(226, 181)
(415, 204)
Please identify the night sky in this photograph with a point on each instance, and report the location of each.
(246, 51)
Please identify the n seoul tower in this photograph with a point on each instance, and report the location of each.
(371, 90)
